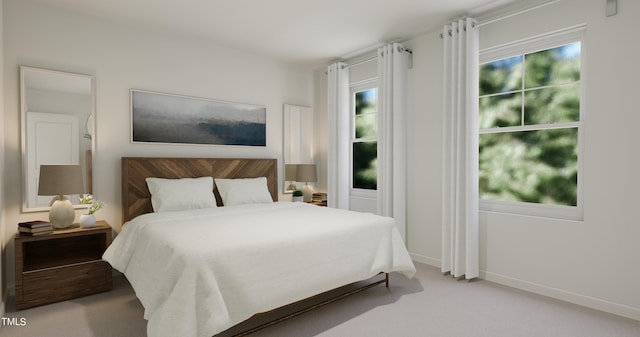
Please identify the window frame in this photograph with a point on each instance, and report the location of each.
(527, 46)
(360, 86)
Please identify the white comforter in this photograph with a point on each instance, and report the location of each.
(198, 273)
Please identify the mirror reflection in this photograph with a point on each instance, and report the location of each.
(57, 128)
(298, 142)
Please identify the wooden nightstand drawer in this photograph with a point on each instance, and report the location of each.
(60, 266)
(58, 284)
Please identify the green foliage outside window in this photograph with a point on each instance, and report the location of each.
(529, 106)
(365, 172)
(365, 146)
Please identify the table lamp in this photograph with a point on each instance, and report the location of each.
(290, 175)
(60, 180)
(306, 173)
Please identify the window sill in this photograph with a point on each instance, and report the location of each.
(556, 212)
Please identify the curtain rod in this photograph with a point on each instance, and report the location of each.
(372, 58)
(514, 13)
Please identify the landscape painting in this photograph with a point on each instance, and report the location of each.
(164, 118)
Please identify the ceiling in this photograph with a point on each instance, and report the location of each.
(302, 31)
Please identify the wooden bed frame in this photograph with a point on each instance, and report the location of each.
(136, 200)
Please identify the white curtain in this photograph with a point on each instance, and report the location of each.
(338, 152)
(460, 242)
(393, 62)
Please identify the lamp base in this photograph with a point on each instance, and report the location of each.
(307, 193)
(62, 212)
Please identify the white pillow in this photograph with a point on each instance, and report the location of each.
(181, 194)
(244, 191)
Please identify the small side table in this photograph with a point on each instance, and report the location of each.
(63, 265)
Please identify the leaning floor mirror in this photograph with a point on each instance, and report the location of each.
(298, 142)
(57, 112)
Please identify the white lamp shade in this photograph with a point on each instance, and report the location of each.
(290, 172)
(60, 180)
(306, 173)
(290, 175)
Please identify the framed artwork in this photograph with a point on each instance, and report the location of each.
(165, 118)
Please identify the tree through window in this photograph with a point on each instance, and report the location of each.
(529, 122)
(364, 138)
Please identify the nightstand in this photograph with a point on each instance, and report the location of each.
(63, 265)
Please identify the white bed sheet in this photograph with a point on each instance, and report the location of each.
(199, 272)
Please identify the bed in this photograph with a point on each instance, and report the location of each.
(200, 267)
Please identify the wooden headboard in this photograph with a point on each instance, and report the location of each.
(136, 199)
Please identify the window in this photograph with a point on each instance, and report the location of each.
(530, 125)
(364, 145)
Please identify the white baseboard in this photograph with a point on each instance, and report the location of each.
(563, 295)
(425, 260)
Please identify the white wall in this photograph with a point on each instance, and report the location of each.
(321, 122)
(424, 149)
(592, 262)
(124, 57)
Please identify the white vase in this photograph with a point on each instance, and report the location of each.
(87, 220)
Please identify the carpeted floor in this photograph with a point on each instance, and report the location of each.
(428, 305)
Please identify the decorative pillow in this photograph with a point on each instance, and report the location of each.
(244, 191)
(181, 194)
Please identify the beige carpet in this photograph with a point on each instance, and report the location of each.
(428, 305)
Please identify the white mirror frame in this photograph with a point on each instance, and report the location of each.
(55, 85)
(298, 138)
